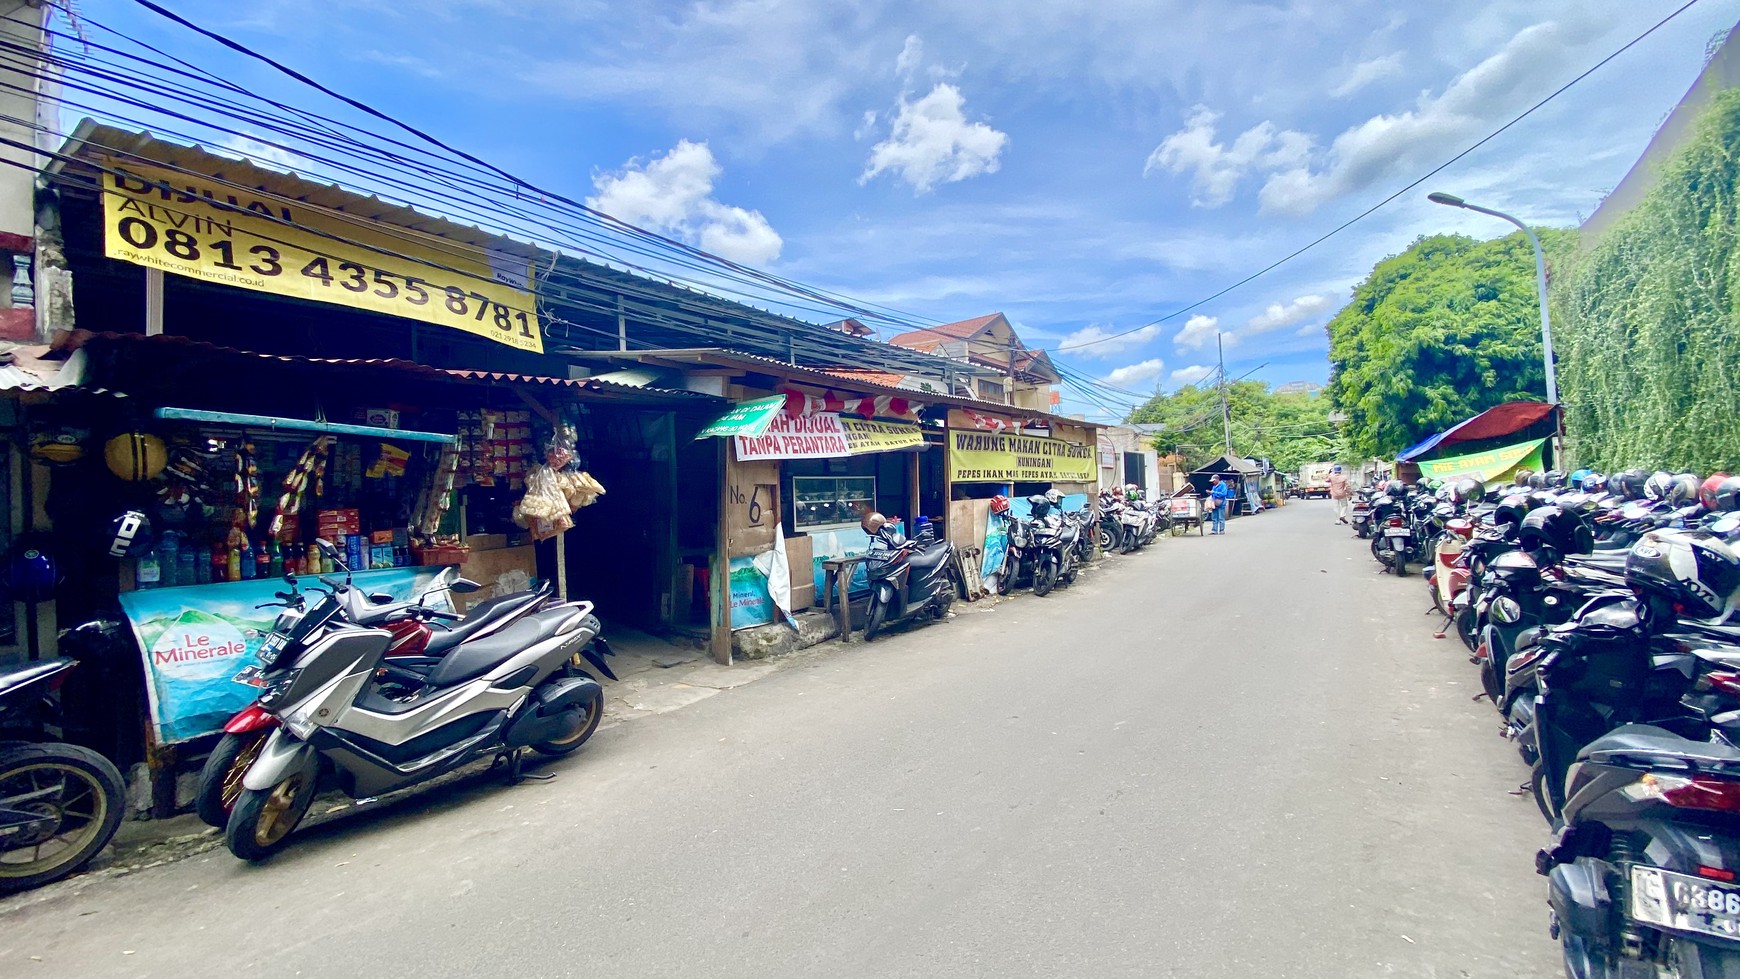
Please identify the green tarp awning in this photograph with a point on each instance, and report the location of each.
(749, 418)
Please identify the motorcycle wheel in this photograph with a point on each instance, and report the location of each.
(1693, 959)
(1399, 561)
(263, 818)
(1538, 787)
(220, 781)
(878, 614)
(1045, 576)
(1127, 542)
(1362, 530)
(1489, 679)
(80, 796)
(1465, 629)
(594, 712)
(1108, 539)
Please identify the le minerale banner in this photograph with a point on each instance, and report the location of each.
(1485, 466)
(209, 231)
(980, 457)
(826, 435)
(196, 637)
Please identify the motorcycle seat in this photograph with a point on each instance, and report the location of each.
(930, 557)
(483, 614)
(1645, 740)
(471, 660)
(19, 677)
(1602, 560)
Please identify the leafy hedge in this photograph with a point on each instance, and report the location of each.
(1646, 323)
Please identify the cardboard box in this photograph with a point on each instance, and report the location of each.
(803, 596)
(381, 417)
(381, 537)
(800, 557)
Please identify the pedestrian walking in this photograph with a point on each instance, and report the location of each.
(1342, 493)
(1220, 494)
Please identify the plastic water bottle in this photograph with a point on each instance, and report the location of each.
(169, 559)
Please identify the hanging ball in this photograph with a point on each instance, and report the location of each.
(136, 456)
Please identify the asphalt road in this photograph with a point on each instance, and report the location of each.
(1221, 757)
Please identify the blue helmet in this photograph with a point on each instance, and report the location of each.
(31, 572)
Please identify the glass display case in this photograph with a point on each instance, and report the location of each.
(831, 501)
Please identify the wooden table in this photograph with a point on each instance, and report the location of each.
(837, 574)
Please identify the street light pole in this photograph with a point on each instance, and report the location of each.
(1451, 200)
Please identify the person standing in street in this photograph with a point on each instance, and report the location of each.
(1220, 494)
(1341, 493)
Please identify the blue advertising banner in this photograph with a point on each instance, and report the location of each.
(196, 637)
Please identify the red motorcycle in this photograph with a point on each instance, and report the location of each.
(422, 635)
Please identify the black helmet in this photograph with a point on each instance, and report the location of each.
(1511, 510)
(129, 534)
(1631, 483)
(1728, 494)
(1557, 528)
(1468, 490)
(1554, 479)
(1537, 481)
(1659, 485)
(1041, 506)
(1694, 570)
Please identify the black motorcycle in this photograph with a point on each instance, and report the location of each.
(909, 579)
(60, 804)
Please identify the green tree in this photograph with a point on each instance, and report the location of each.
(1288, 429)
(1647, 321)
(1437, 334)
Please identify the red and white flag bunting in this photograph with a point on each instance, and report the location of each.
(799, 404)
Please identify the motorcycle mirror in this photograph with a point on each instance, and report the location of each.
(465, 586)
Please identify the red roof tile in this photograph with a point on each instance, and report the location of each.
(932, 337)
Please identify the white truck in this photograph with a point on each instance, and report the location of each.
(1314, 480)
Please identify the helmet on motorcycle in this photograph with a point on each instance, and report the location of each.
(1658, 485)
(1594, 482)
(872, 522)
(129, 534)
(1694, 570)
(999, 504)
(1728, 494)
(1054, 497)
(1537, 481)
(1041, 506)
(1707, 492)
(1554, 479)
(1578, 477)
(1521, 477)
(1511, 510)
(1683, 490)
(1632, 482)
(1468, 490)
(1557, 528)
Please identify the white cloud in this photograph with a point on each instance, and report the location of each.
(1147, 370)
(1198, 331)
(1217, 168)
(672, 194)
(911, 56)
(1366, 72)
(1105, 342)
(262, 154)
(1191, 374)
(932, 142)
(1279, 315)
(1310, 330)
(1395, 145)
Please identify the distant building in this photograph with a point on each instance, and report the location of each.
(1299, 387)
(988, 341)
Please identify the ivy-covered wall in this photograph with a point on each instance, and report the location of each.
(1646, 321)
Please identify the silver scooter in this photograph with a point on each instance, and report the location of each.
(520, 688)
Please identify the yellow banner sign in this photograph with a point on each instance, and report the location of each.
(872, 436)
(209, 231)
(980, 457)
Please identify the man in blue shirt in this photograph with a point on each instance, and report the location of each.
(1220, 493)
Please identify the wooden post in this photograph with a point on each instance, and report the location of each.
(719, 579)
(153, 302)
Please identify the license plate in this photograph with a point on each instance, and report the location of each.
(1396, 531)
(253, 676)
(1684, 903)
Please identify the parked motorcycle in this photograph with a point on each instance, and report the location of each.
(60, 804)
(909, 579)
(494, 696)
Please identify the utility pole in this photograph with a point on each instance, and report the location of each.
(1009, 395)
(1225, 411)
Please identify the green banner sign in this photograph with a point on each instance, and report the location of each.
(750, 418)
(1485, 466)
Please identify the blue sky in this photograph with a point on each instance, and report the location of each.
(1084, 168)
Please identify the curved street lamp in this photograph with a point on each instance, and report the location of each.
(1451, 200)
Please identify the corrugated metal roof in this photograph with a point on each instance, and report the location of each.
(77, 339)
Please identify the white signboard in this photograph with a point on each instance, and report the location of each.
(818, 436)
